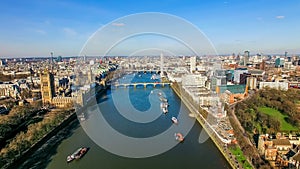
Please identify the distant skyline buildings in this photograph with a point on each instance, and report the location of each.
(238, 58)
(35, 28)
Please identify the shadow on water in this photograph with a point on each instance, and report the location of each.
(103, 99)
(42, 157)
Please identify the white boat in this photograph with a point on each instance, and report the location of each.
(164, 105)
(153, 77)
(163, 99)
(82, 117)
(77, 154)
(165, 110)
(174, 120)
(179, 137)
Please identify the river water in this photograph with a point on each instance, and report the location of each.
(188, 154)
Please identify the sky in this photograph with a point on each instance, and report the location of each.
(37, 28)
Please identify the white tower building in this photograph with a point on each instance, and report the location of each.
(161, 65)
(192, 64)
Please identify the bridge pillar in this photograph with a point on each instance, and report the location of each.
(145, 85)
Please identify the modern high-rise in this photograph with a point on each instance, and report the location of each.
(2, 62)
(246, 57)
(279, 62)
(47, 87)
(237, 73)
(252, 82)
(161, 65)
(192, 64)
(243, 78)
(285, 54)
(90, 74)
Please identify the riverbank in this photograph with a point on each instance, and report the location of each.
(201, 120)
(26, 154)
(37, 152)
(42, 156)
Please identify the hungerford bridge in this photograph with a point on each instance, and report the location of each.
(144, 84)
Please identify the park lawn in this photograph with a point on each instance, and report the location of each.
(237, 152)
(284, 126)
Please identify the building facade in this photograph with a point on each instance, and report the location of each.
(47, 87)
(194, 80)
(237, 73)
(275, 85)
(192, 64)
(252, 83)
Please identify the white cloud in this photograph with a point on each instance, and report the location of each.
(118, 24)
(280, 17)
(70, 32)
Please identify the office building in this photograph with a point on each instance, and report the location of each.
(237, 73)
(251, 83)
(192, 64)
(246, 57)
(279, 62)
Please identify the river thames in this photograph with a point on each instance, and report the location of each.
(188, 154)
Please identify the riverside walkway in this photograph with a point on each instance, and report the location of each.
(209, 130)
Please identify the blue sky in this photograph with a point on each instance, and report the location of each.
(36, 28)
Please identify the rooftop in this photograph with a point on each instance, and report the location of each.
(283, 142)
(256, 72)
(297, 156)
(235, 89)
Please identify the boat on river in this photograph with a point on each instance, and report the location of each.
(165, 110)
(179, 137)
(174, 120)
(163, 99)
(153, 77)
(164, 105)
(77, 154)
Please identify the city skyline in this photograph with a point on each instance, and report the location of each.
(35, 28)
